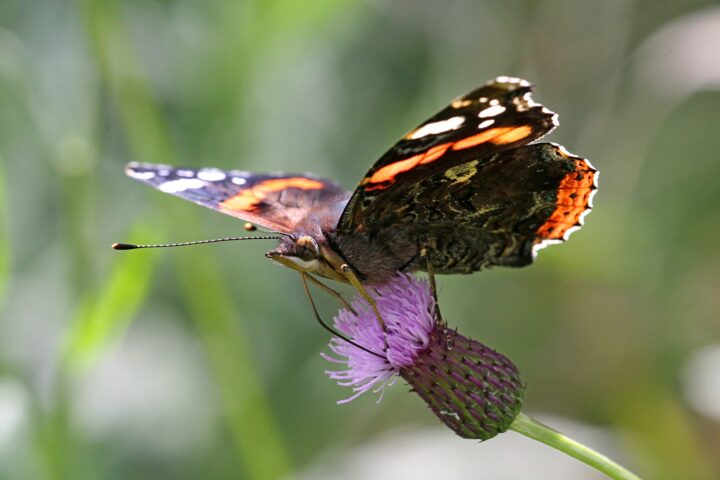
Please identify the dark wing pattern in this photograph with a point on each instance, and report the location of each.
(275, 201)
(498, 116)
(491, 211)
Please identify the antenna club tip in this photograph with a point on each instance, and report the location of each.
(123, 246)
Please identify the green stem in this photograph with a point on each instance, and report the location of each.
(542, 433)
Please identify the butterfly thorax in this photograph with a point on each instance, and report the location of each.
(376, 258)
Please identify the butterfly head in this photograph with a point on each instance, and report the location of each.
(306, 253)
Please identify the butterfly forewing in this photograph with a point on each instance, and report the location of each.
(275, 201)
(497, 116)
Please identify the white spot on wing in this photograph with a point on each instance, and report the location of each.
(527, 98)
(211, 175)
(185, 173)
(520, 105)
(491, 111)
(483, 99)
(437, 127)
(460, 103)
(518, 81)
(486, 123)
(180, 185)
(140, 175)
(238, 180)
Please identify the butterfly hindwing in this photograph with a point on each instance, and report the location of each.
(495, 211)
(275, 201)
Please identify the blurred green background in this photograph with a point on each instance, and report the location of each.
(204, 362)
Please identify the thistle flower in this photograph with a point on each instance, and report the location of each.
(474, 390)
(471, 388)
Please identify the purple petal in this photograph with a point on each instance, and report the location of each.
(408, 310)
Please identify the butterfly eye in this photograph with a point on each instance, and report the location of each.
(306, 248)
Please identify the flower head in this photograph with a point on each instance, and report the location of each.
(407, 307)
(474, 390)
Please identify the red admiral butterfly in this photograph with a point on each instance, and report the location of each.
(464, 191)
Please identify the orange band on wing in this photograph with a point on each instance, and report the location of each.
(388, 172)
(498, 136)
(573, 200)
(277, 184)
(511, 136)
(248, 199)
(385, 176)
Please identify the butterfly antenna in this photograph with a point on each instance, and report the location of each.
(132, 246)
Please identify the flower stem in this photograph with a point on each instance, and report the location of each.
(542, 433)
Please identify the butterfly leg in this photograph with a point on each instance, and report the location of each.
(332, 292)
(355, 282)
(433, 285)
(304, 276)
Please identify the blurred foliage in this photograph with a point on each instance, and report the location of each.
(102, 315)
(4, 236)
(601, 327)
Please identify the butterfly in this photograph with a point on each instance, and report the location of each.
(466, 190)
